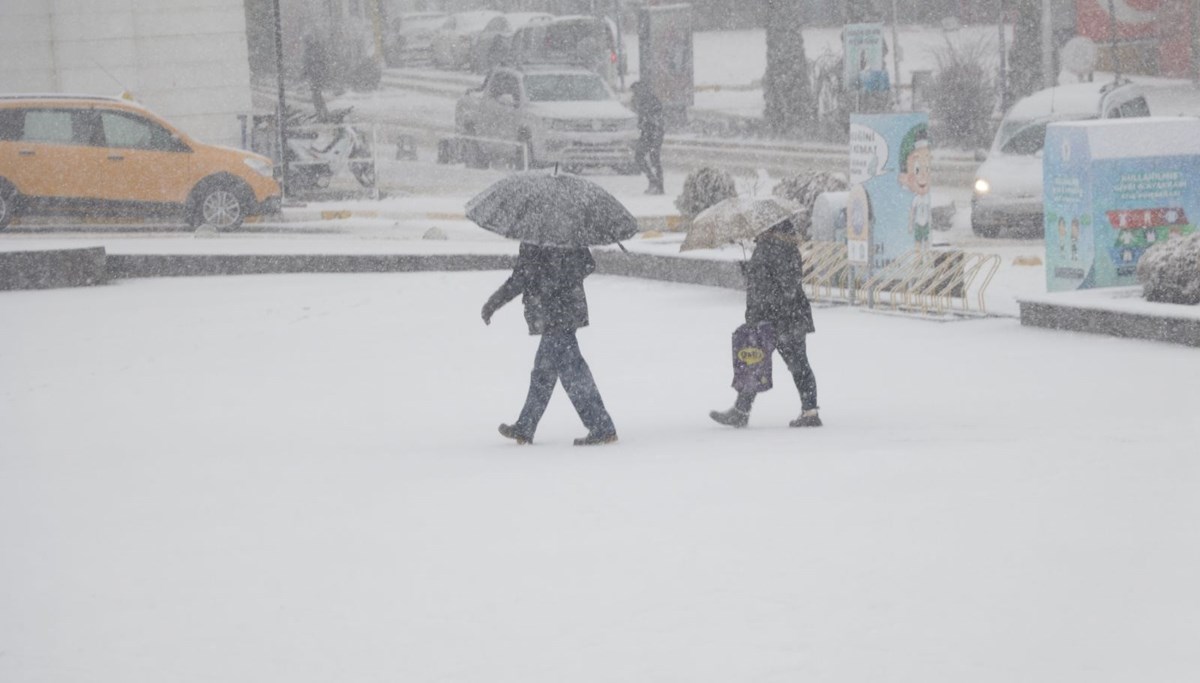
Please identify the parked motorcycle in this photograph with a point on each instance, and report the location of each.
(318, 150)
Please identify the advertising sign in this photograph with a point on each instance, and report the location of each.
(863, 46)
(1114, 188)
(888, 208)
(1134, 19)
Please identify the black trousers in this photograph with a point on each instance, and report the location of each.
(793, 348)
(649, 160)
(558, 358)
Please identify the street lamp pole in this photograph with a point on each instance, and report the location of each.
(281, 102)
(1049, 77)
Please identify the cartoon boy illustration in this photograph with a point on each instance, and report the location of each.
(1074, 239)
(1062, 236)
(916, 160)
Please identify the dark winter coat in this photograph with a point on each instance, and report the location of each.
(550, 282)
(316, 62)
(774, 291)
(651, 121)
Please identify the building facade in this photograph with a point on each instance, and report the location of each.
(184, 59)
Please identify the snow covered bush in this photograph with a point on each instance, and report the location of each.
(804, 187)
(1170, 271)
(963, 94)
(702, 188)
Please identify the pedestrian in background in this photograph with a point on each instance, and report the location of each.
(775, 294)
(316, 72)
(550, 282)
(652, 125)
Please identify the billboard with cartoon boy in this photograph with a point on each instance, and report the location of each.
(888, 210)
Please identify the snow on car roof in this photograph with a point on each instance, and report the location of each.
(476, 20)
(519, 19)
(1075, 100)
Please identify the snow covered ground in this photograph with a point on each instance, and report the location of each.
(297, 478)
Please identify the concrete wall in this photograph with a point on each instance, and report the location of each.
(184, 59)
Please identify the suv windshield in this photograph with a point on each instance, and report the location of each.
(1023, 137)
(565, 88)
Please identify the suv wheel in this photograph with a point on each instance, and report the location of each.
(8, 204)
(220, 204)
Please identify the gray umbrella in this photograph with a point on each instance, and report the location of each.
(552, 209)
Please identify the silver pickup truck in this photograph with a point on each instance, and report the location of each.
(540, 115)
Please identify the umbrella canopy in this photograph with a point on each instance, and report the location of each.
(736, 219)
(552, 209)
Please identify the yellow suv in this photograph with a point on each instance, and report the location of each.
(85, 154)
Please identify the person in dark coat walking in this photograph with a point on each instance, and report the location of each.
(774, 294)
(652, 125)
(550, 282)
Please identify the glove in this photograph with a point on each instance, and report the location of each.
(486, 314)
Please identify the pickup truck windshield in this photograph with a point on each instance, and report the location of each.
(565, 88)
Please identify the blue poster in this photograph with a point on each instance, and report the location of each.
(864, 50)
(1114, 188)
(888, 208)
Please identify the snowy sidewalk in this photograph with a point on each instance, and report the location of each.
(297, 478)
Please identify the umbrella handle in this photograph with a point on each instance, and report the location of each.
(622, 246)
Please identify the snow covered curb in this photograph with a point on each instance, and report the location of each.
(1115, 311)
(45, 269)
(190, 265)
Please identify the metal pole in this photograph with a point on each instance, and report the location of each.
(1003, 80)
(1195, 46)
(895, 56)
(620, 45)
(281, 103)
(1049, 77)
(1112, 32)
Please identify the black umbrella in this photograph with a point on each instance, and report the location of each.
(552, 209)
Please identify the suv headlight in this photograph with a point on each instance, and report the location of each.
(263, 168)
(982, 186)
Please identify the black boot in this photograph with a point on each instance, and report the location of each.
(734, 417)
(510, 432)
(808, 418)
(597, 439)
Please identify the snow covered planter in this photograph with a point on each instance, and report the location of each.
(702, 188)
(1170, 271)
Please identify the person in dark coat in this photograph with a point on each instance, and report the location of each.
(652, 125)
(774, 294)
(316, 72)
(550, 282)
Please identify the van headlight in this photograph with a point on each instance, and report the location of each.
(263, 168)
(982, 186)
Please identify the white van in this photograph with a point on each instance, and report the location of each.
(1008, 185)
